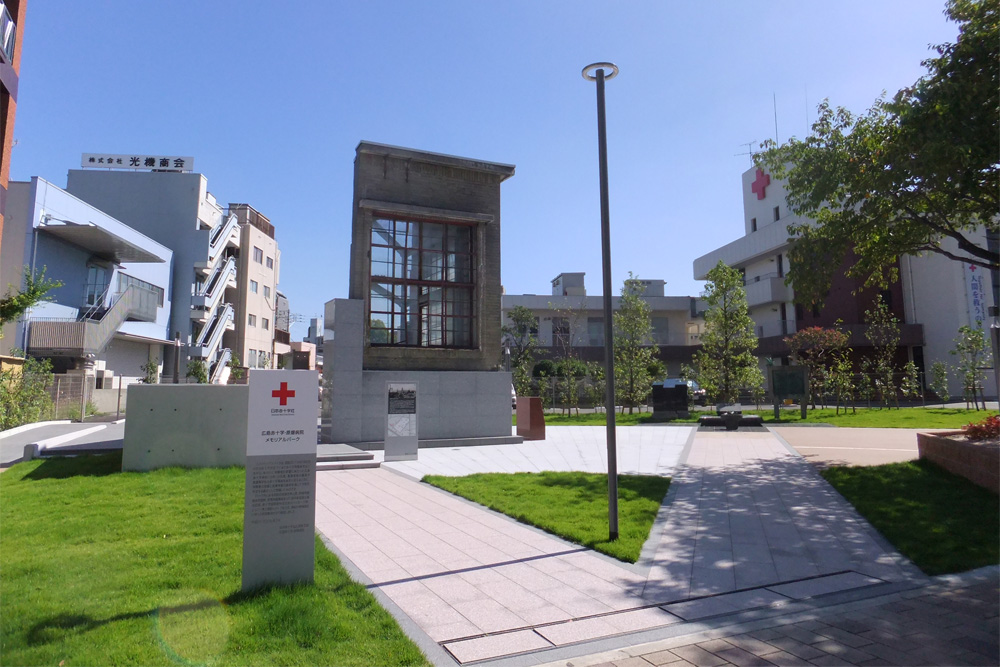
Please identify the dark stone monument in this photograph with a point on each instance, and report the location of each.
(670, 402)
(530, 418)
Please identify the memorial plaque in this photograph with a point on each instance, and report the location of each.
(279, 520)
(789, 382)
(670, 402)
(401, 441)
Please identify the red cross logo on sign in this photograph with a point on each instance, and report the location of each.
(284, 393)
(762, 181)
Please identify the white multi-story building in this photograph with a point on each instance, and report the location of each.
(176, 209)
(932, 299)
(570, 318)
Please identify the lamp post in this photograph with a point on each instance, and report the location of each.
(601, 72)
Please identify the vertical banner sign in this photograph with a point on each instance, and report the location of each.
(401, 422)
(975, 291)
(279, 520)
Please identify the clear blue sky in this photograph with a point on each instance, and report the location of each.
(272, 98)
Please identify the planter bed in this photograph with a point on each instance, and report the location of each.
(978, 462)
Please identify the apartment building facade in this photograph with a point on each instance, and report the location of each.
(111, 314)
(11, 32)
(569, 319)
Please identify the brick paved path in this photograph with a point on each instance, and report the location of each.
(949, 623)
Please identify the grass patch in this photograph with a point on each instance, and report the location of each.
(942, 522)
(102, 567)
(954, 418)
(572, 505)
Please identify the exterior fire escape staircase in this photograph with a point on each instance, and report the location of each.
(208, 306)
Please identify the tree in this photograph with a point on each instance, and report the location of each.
(15, 302)
(911, 381)
(814, 347)
(882, 332)
(634, 353)
(236, 371)
(726, 362)
(197, 370)
(151, 371)
(971, 350)
(906, 175)
(939, 381)
(841, 375)
(520, 335)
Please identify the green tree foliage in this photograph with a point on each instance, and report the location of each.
(15, 302)
(815, 347)
(634, 353)
(939, 381)
(24, 396)
(882, 332)
(971, 352)
(906, 175)
(726, 362)
(841, 379)
(235, 367)
(198, 371)
(595, 383)
(150, 371)
(911, 381)
(520, 335)
(378, 333)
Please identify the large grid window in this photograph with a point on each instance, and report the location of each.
(421, 283)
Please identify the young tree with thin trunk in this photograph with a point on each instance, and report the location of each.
(726, 363)
(633, 345)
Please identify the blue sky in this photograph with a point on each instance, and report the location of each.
(271, 99)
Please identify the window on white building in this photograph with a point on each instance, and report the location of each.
(595, 330)
(253, 286)
(258, 255)
(777, 213)
(265, 323)
(270, 263)
(753, 224)
(252, 320)
(267, 292)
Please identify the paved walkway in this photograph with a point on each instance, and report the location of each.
(748, 526)
(953, 621)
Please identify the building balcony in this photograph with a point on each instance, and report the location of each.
(767, 289)
(771, 336)
(8, 35)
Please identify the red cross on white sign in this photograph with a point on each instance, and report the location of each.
(284, 393)
(760, 182)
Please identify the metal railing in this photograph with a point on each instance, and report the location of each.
(220, 235)
(90, 335)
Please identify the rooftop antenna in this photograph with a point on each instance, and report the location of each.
(749, 151)
(774, 100)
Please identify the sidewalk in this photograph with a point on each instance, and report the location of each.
(748, 528)
(952, 621)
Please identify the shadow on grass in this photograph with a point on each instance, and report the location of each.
(61, 625)
(97, 465)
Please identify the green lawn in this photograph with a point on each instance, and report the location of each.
(940, 521)
(572, 505)
(101, 567)
(864, 418)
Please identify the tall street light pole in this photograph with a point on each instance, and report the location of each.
(601, 72)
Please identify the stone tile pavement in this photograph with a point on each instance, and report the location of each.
(748, 527)
(953, 621)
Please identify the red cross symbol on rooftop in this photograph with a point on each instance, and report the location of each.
(284, 393)
(760, 182)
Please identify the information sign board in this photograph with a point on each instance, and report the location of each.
(280, 499)
(401, 441)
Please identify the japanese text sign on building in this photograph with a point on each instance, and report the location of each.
(280, 498)
(137, 161)
(976, 285)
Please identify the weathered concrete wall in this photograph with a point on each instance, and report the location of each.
(450, 404)
(412, 184)
(191, 426)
